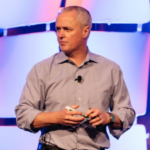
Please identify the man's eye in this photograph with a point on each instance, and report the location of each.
(67, 29)
(57, 29)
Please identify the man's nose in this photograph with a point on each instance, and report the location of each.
(61, 34)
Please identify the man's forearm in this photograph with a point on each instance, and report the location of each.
(117, 124)
(44, 119)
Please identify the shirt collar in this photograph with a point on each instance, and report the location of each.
(62, 58)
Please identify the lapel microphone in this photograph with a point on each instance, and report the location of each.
(79, 78)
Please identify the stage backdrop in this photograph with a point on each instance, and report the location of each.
(18, 54)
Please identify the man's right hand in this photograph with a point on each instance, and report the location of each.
(63, 117)
(67, 118)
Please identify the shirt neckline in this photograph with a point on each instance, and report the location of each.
(62, 58)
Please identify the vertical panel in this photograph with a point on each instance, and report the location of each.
(115, 11)
(18, 54)
(25, 12)
(13, 138)
(134, 139)
(131, 52)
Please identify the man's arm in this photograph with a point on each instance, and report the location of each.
(120, 107)
(31, 101)
(120, 104)
(63, 117)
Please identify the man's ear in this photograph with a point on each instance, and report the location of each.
(86, 31)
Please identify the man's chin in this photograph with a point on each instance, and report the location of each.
(65, 50)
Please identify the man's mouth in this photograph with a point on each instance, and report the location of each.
(62, 42)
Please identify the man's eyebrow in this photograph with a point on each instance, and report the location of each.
(57, 27)
(66, 27)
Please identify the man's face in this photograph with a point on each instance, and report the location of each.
(69, 32)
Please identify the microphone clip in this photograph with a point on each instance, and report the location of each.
(79, 79)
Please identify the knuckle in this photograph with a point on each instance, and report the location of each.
(74, 119)
(75, 123)
(77, 119)
(76, 113)
(92, 115)
(66, 111)
(66, 117)
(98, 111)
(66, 121)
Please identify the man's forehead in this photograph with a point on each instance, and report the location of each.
(67, 14)
(66, 18)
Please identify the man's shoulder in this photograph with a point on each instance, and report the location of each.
(48, 61)
(43, 67)
(103, 61)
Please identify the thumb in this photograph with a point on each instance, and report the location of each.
(74, 106)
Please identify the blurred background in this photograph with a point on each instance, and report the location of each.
(120, 31)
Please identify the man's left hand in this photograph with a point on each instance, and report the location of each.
(97, 117)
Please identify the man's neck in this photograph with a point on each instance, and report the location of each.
(78, 56)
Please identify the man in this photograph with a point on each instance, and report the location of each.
(75, 77)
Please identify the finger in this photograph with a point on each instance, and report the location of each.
(97, 119)
(68, 122)
(75, 119)
(94, 114)
(73, 113)
(74, 106)
(89, 112)
(98, 123)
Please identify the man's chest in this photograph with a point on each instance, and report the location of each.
(93, 91)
